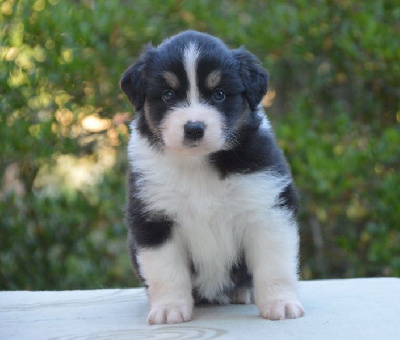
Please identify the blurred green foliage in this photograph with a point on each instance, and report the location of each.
(334, 101)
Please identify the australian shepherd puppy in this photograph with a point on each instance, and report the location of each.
(211, 202)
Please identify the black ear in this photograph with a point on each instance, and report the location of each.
(133, 81)
(254, 77)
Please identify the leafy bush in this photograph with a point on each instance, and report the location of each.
(334, 102)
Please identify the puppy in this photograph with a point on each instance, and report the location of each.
(211, 206)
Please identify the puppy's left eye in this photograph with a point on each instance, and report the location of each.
(168, 95)
(218, 95)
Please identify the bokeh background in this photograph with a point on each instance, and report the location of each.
(334, 101)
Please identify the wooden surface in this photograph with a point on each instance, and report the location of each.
(335, 309)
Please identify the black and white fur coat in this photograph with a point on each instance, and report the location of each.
(211, 201)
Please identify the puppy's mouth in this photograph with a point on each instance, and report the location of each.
(191, 144)
(194, 131)
(189, 147)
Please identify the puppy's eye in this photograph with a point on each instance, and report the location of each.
(218, 95)
(168, 96)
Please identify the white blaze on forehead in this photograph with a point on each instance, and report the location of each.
(190, 58)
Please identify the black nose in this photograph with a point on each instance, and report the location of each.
(194, 130)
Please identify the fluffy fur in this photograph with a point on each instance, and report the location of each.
(211, 204)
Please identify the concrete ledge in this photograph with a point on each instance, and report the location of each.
(335, 309)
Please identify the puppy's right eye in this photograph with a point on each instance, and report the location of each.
(168, 96)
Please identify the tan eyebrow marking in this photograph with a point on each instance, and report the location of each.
(213, 79)
(171, 79)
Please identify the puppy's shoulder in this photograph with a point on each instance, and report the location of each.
(255, 150)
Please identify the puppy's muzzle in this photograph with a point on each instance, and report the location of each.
(194, 131)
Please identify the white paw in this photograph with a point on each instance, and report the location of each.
(169, 314)
(279, 309)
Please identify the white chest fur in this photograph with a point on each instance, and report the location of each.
(211, 215)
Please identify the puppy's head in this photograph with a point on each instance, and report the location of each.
(193, 94)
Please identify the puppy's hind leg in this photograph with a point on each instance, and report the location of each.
(241, 296)
(167, 276)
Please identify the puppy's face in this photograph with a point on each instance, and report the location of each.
(193, 94)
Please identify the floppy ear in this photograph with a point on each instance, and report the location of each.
(254, 77)
(133, 81)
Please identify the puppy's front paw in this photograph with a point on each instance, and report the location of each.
(279, 309)
(169, 314)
